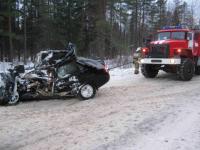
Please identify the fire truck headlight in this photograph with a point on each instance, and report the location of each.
(179, 50)
(144, 50)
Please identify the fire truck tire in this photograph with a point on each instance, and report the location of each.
(197, 70)
(149, 71)
(186, 69)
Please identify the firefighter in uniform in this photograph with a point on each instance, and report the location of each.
(137, 56)
(136, 59)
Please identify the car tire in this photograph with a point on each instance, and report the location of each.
(87, 91)
(149, 71)
(14, 101)
(186, 70)
(3, 101)
(9, 101)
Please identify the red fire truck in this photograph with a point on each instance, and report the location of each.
(175, 50)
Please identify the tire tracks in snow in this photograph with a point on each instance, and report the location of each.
(120, 117)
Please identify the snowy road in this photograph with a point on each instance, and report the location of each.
(129, 113)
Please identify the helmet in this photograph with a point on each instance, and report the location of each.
(138, 49)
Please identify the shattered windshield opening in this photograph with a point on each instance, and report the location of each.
(164, 36)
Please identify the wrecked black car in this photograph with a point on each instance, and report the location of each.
(57, 73)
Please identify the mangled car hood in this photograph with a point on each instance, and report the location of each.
(90, 63)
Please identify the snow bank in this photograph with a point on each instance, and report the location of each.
(1, 81)
(123, 61)
(4, 66)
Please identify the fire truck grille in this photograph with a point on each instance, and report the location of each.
(159, 51)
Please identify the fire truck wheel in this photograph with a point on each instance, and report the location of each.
(186, 69)
(149, 71)
(197, 70)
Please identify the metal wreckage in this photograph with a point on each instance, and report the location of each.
(56, 74)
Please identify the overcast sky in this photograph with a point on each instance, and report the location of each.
(196, 6)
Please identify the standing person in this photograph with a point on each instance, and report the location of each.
(138, 53)
(136, 59)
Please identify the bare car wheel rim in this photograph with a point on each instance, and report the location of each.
(87, 91)
(14, 99)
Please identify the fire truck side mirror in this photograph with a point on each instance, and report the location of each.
(189, 36)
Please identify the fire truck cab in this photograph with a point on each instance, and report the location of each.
(175, 50)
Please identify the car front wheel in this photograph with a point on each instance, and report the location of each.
(86, 92)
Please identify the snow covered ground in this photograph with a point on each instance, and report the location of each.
(4, 66)
(128, 113)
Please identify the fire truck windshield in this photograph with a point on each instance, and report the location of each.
(171, 35)
(164, 36)
(178, 35)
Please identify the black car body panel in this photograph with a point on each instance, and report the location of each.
(97, 64)
(54, 77)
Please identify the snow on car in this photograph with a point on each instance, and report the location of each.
(56, 74)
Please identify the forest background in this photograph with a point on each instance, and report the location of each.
(103, 28)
